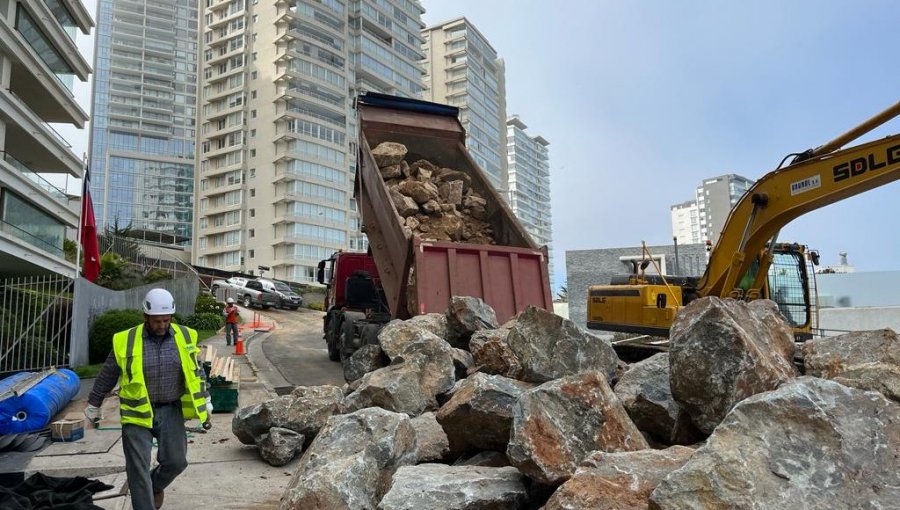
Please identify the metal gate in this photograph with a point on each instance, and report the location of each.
(35, 322)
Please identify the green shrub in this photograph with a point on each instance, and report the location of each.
(157, 275)
(198, 321)
(206, 303)
(316, 306)
(105, 326)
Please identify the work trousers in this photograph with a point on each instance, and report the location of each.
(231, 333)
(168, 430)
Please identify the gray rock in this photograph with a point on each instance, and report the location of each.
(253, 421)
(645, 394)
(478, 415)
(397, 335)
(450, 175)
(389, 153)
(390, 172)
(406, 206)
(723, 351)
(395, 388)
(465, 316)
(351, 462)
(549, 347)
(463, 362)
(489, 459)
(492, 353)
(556, 425)
(428, 166)
(811, 443)
(451, 192)
(455, 488)
(622, 480)
(867, 360)
(431, 441)
(304, 411)
(367, 358)
(279, 446)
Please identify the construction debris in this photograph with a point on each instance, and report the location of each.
(437, 204)
(222, 369)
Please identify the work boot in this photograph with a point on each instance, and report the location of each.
(158, 499)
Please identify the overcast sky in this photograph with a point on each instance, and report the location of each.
(642, 100)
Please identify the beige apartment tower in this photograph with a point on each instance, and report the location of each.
(463, 70)
(276, 131)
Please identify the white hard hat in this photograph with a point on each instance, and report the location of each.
(159, 302)
(230, 301)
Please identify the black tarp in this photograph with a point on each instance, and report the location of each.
(42, 492)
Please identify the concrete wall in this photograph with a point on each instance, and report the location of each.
(592, 267)
(859, 319)
(875, 288)
(92, 300)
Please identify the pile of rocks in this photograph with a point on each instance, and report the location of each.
(458, 411)
(437, 204)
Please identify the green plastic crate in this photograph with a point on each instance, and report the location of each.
(224, 398)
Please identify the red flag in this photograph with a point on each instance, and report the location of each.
(89, 232)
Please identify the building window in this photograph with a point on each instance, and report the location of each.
(252, 173)
(252, 153)
(254, 74)
(252, 252)
(252, 192)
(252, 133)
(252, 213)
(252, 232)
(252, 114)
(253, 93)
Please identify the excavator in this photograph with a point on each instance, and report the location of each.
(747, 262)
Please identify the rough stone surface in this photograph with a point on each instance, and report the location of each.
(367, 358)
(479, 414)
(389, 153)
(548, 347)
(419, 191)
(395, 337)
(455, 488)
(465, 316)
(406, 206)
(351, 462)
(488, 458)
(492, 353)
(450, 175)
(556, 425)
(253, 421)
(279, 446)
(622, 480)
(868, 360)
(463, 362)
(395, 388)
(390, 172)
(812, 443)
(451, 192)
(431, 440)
(723, 351)
(304, 411)
(645, 394)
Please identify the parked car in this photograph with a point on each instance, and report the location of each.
(289, 298)
(233, 283)
(253, 294)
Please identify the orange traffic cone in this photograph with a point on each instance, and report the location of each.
(239, 345)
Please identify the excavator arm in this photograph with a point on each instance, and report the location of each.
(826, 176)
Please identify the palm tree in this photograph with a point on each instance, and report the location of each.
(563, 295)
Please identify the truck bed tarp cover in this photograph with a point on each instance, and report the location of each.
(404, 103)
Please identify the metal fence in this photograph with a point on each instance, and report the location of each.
(35, 322)
(145, 257)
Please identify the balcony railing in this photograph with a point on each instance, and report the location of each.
(46, 125)
(34, 177)
(33, 240)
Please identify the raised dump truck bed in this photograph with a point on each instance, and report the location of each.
(420, 276)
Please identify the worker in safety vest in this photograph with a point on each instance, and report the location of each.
(161, 385)
(231, 314)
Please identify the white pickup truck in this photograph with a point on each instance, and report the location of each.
(247, 292)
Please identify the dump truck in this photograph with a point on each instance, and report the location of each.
(404, 273)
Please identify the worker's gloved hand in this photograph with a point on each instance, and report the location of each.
(209, 406)
(92, 413)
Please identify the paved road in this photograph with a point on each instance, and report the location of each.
(296, 349)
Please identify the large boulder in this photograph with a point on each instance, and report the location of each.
(367, 358)
(868, 360)
(455, 488)
(492, 353)
(351, 462)
(397, 335)
(622, 480)
(279, 446)
(431, 440)
(406, 206)
(421, 192)
(645, 394)
(549, 347)
(304, 411)
(479, 414)
(556, 425)
(465, 316)
(395, 388)
(812, 443)
(723, 351)
(389, 154)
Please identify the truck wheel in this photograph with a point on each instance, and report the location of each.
(346, 340)
(247, 302)
(334, 352)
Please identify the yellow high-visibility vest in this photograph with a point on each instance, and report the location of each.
(134, 401)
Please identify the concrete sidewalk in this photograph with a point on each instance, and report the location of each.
(222, 472)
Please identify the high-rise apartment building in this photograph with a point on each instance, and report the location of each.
(528, 162)
(39, 62)
(713, 202)
(143, 132)
(686, 222)
(463, 70)
(277, 141)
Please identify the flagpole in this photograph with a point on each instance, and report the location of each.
(80, 214)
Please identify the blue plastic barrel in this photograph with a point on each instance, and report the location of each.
(33, 410)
